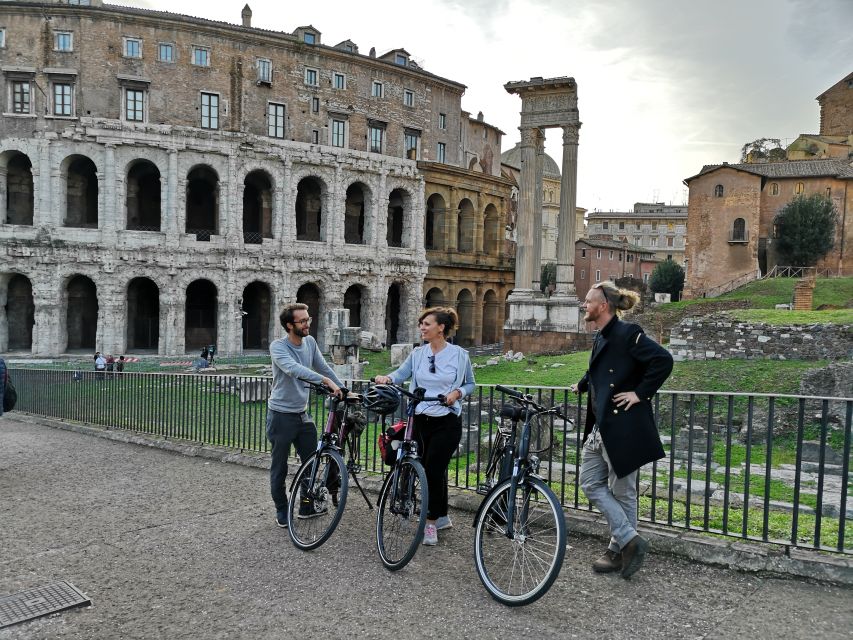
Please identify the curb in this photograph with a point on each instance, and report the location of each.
(740, 555)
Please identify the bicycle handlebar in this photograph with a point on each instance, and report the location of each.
(414, 396)
(527, 400)
(324, 390)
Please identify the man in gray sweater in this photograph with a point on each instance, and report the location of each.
(295, 358)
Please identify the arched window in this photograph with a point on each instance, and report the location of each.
(739, 230)
(718, 191)
(799, 188)
(774, 188)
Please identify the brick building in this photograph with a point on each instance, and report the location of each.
(168, 182)
(654, 226)
(597, 260)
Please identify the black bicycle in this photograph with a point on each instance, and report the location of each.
(318, 492)
(404, 495)
(520, 529)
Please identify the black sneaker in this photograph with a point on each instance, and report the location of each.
(307, 510)
(281, 519)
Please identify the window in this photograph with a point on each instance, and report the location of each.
(629, 257)
(653, 242)
(739, 230)
(646, 278)
(134, 104)
(275, 120)
(774, 188)
(583, 253)
(442, 121)
(338, 132)
(411, 144)
(828, 193)
(63, 41)
(166, 52)
(669, 241)
(21, 97)
(132, 48)
(315, 136)
(2, 38)
(377, 90)
(605, 225)
(409, 98)
(339, 81)
(264, 70)
(611, 255)
(209, 111)
(441, 152)
(621, 226)
(401, 59)
(718, 191)
(799, 188)
(376, 137)
(583, 274)
(80, 3)
(309, 38)
(637, 226)
(598, 253)
(654, 226)
(598, 275)
(311, 77)
(63, 99)
(201, 56)
(315, 105)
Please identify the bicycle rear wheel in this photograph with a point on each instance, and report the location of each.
(402, 514)
(519, 570)
(318, 496)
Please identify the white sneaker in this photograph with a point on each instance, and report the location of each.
(430, 535)
(443, 522)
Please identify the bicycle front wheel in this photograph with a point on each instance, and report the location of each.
(519, 570)
(318, 496)
(402, 514)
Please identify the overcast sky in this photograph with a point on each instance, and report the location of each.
(664, 86)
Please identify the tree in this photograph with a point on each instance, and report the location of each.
(763, 149)
(548, 277)
(805, 230)
(668, 277)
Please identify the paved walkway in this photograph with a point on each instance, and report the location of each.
(169, 546)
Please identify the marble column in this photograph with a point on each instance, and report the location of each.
(526, 270)
(537, 211)
(568, 205)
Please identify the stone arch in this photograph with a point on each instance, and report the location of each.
(81, 192)
(399, 211)
(465, 226)
(434, 298)
(354, 300)
(81, 317)
(143, 315)
(393, 313)
(491, 231)
(310, 224)
(256, 323)
(20, 313)
(354, 213)
(491, 318)
(309, 293)
(143, 199)
(436, 212)
(202, 206)
(257, 206)
(465, 310)
(19, 188)
(200, 320)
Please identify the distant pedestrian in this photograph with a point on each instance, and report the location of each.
(3, 377)
(100, 365)
(626, 368)
(111, 363)
(120, 364)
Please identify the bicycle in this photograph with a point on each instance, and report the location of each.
(404, 495)
(318, 492)
(520, 529)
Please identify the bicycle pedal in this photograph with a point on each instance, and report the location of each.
(483, 489)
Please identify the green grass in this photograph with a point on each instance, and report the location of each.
(785, 317)
(766, 294)
(741, 376)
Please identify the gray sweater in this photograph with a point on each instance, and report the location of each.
(289, 362)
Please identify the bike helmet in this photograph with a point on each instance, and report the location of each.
(381, 399)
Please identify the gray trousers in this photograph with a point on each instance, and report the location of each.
(615, 498)
(284, 430)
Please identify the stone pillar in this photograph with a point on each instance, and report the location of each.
(526, 232)
(568, 205)
(287, 218)
(335, 207)
(537, 211)
(232, 208)
(46, 330)
(173, 222)
(451, 222)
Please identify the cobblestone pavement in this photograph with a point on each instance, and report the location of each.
(169, 546)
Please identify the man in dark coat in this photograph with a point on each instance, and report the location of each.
(626, 368)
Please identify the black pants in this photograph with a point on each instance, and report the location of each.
(438, 439)
(283, 430)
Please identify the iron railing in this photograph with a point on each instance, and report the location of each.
(800, 272)
(773, 468)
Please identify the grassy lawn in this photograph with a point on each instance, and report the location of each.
(766, 294)
(785, 317)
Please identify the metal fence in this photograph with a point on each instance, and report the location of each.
(774, 468)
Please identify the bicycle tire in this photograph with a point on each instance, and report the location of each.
(400, 519)
(308, 533)
(519, 571)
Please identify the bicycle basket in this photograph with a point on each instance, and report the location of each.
(395, 432)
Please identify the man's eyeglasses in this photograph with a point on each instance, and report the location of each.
(431, 364)
(303, 321)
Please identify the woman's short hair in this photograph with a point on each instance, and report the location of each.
(286, 315)
(618, 300)
(443, 315)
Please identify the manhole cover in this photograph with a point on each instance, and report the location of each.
(40, 601)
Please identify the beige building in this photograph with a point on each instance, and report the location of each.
(654, 226)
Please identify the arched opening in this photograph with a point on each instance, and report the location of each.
(19, 190)
(718, 191)
(491, 231)
(257, 207)
(81, 319)
(491, 323)
(143, 197)
(392, 315)
(435, 212)
(309, 294)
(465, 226)
(739, 230)
(143, 315)
(434, 298)
(20, 313)
(202, 202)
(200, 329)
(309, 210)
(465, 310)
(257, 307)
(397, 205)
(81, 193)
(352, 301)
(354, 214)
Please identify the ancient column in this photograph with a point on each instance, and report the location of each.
(568, 204)
(537, 211)
(172, 224)
(525, 252)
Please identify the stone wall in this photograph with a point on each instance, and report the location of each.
(721, 337)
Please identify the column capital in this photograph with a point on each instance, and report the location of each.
(530, 136)
(571, 133)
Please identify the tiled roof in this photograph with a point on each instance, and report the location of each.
(614, 244)
(788, 169)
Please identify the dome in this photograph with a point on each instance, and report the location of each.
(512, 158)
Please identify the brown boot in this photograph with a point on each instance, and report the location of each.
(633, 555)
(609, 562)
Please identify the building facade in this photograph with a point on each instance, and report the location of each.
(656, 227)
(168, 182)
(597, 260)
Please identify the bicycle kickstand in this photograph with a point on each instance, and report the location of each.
(361, 489)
